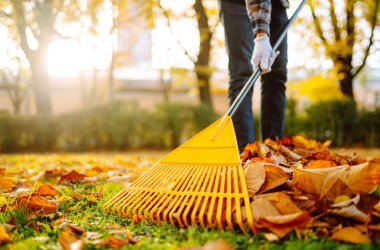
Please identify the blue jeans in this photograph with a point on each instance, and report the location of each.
(239, 43)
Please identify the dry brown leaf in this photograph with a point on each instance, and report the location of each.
(274, 177)
(77, 196)
(360, 178)
(72, 176)
(293, 156)
(351, 235)
(112, 242)
(76, 229)
(136, 218)
(254, 176)
(289, 223)
(7, 183)
(320, 164)
(36, 203)
(46, 190)
(69, 241)
(311, 180)
(271, 237)
(351, 212)
(4, 236)
(49, 174)
(213, 245)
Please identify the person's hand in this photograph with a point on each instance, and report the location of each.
(263, 54)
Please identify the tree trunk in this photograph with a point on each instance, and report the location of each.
(346, 85)
(202, 70)
(40, 86)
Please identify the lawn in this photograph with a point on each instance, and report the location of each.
(78, 222)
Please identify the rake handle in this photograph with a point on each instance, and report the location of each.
(249, 84)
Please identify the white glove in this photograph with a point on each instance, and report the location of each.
(263, 54)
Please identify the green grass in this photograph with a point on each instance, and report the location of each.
(152, 236)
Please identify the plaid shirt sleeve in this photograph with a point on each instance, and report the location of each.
(259, 12)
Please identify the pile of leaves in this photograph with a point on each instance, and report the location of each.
(299, 184)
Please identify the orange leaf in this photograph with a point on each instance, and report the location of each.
(72, 176)
(350, 234)
(274, 177)
(36, 203)
(136, 218)
(69, 241)
(112, 242)
(360, 178)
(282, 225)
(320, 164)
(46, 190)
(4, 236)
(7, 183)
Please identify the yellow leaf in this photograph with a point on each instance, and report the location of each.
(351, 235)
(4, 237)
(254, 176)
(320, 164)
(3, 201)
(341, 198)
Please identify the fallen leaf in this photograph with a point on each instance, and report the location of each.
(212, 245)
(46, 190)
(311, 180)
(3, 201)
(72, 176)
(36, 203)
(293, 156)
(351, 235)
(271, 237)
(7, 183)
(351, 212)
(274, 177)
(76, 229)
(131, 239)
(254, 176)
(50, 174)
(320, 164)
(4, 236)
(69, 241)
(77, 196)
(112, 242)
(136, 218)
(360, 178)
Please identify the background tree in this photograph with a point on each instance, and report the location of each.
(207, 21)
(342, 33)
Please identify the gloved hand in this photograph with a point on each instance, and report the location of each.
(263, 53)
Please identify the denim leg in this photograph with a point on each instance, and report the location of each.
(239, 44)
(273, 98)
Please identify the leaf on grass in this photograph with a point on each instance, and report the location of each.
(278, 213)
(46, 190)
(136, 218)
(4, 236)
(112, 242)
(254, 176)
(69, 241)
(50, 174)
(3, 201)
(36, 203)
(320, 164)
(131, 239)
(212, 245)
(76, 229)
(77, 196)
(72, 176)
(351, 235)
(7, 183)
(271, 237)
(274, 177)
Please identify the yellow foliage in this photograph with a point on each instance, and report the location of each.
(317, 88)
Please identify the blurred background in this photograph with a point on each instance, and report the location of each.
(79, 75)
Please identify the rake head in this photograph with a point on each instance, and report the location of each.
(200, 183)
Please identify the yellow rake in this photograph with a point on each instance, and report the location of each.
(201, 182)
